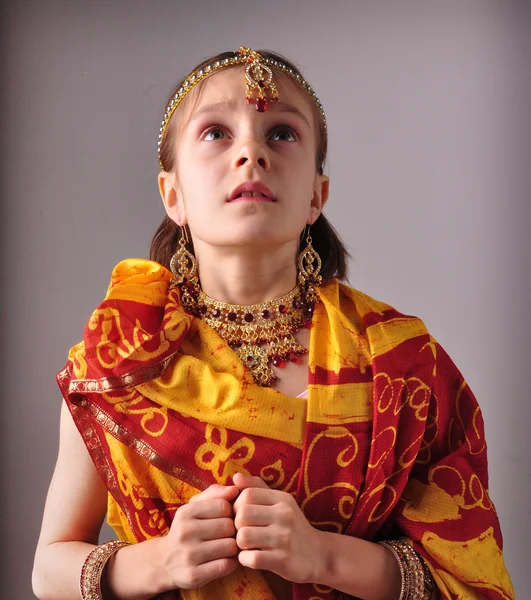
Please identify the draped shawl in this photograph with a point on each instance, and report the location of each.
(389, 442)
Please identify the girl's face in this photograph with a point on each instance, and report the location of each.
(223, 142)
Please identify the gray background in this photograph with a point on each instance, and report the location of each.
(430, 145)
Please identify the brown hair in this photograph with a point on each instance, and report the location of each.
(326, 240)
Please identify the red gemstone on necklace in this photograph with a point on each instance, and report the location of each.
(283, 309)
(248, 318)
(266, 314)
(216, 312)
(232, 316)
(293, 357)
(261, 105)
(296, 304)
(276, 360)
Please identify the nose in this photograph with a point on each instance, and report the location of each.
(252, 153)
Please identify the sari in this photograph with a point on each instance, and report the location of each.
(388, 444)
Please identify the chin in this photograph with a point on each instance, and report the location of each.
(255, 236)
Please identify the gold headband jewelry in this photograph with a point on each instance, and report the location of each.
(260, 87)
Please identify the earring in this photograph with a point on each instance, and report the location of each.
(183, 264)
(309, 264)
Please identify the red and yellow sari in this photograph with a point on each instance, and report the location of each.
(389, 443)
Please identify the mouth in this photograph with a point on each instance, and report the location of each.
(252, 191)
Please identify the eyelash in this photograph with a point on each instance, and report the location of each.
(292, 132)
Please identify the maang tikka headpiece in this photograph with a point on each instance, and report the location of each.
(260, 87)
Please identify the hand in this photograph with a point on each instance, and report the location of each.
(200, 545)
(273, 533)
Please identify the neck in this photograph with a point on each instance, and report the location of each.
(240, 276)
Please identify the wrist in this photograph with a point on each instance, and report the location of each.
(325, 563)
(159, 574)
(356, 567)
(137, 572)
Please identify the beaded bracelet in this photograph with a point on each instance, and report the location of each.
(90, 580)
(417, 581)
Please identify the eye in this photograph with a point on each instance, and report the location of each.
(214, 133)
(284, 134)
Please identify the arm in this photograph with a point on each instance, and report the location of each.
(374, 574)
(200, 546)
(273, 534)
(75, 508)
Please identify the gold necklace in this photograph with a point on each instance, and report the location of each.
(260, 334)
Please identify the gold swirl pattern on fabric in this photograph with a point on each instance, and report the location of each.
(109, 352)
(343, 458)
(154, 418)
(220, 460)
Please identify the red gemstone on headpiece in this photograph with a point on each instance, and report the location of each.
(261, 83)
(293, 357)
(261, 105)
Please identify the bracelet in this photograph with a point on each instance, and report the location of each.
(90, 580)
(417, 581)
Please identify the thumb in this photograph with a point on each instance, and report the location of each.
(242, 481)
(227, 492)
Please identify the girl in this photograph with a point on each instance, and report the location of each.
(252, 427)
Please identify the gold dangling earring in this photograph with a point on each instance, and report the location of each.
(309, 264)
(183, 263)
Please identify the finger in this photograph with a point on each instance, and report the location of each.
(213, 570)
(214, 529)
(267, 497)
(242, 481)
(214, 508)
(214, 550)
(269, 560)
(249, 515)
(259, 538)
(227, 492)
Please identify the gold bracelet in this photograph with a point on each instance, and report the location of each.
(90, 580)
(417, 581)
(404, 586)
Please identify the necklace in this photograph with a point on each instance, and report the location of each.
(260, 334)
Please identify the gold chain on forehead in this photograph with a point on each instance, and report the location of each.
(259, 89)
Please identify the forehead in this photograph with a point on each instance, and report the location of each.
(227, 88)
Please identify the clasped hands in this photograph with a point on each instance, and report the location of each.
(246, 523)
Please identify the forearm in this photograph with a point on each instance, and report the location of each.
(359, 568)
(132, 573)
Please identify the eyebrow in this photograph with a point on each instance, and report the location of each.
(232, 105)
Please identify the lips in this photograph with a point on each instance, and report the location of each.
(257, 189)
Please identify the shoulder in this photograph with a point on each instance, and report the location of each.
(371, 311)
(139, 280)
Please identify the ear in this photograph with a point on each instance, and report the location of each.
(171, 198)
(320, 196)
